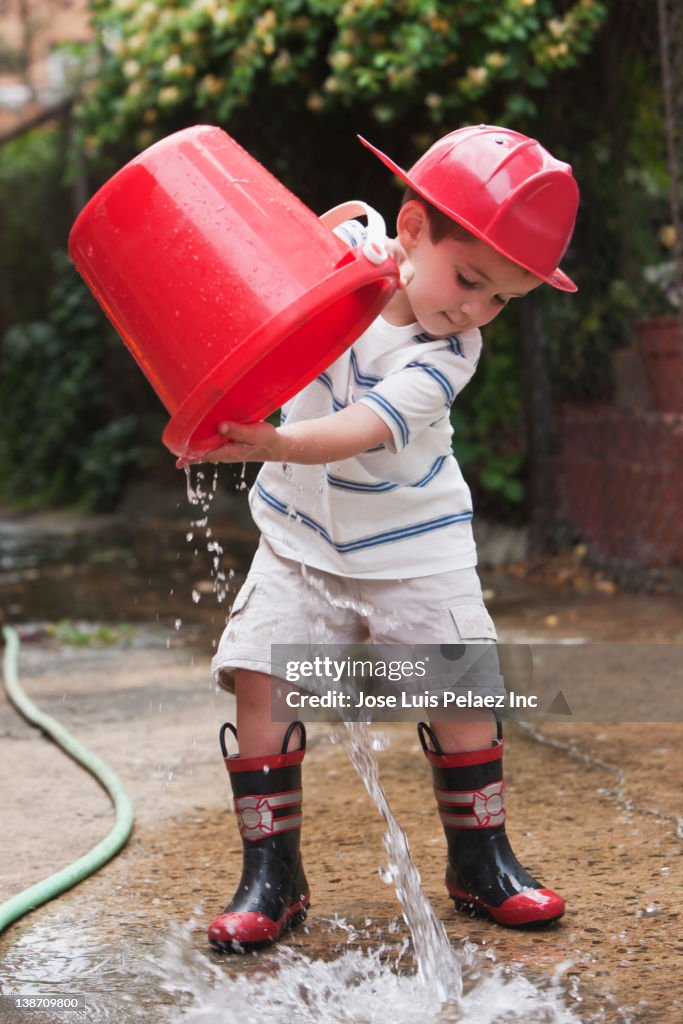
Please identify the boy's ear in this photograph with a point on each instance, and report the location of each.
(412, 223)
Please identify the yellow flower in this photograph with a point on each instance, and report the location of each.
(667, 236)
(349, 38)
(301, 24)
(144, 138)
(400, 76)
(131, 69)
(559, 50)
(137, 42)
(341, 60)
(172, 64)
(189, 37)
(168, 96)
(283, 61)
(557, 27)
(314, 101)
(477, 76)
(496, 60)
(211, 85)
(223, 16)
(146, 14)
(266, 23)
(437, 23)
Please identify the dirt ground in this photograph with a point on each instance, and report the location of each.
(592, 810)
(594, 803)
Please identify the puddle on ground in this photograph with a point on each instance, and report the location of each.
(177, 981)
(151, 574)
(351, 975)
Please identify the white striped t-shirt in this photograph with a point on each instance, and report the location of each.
(397, 510)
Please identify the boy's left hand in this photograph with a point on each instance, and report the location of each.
(248, 442)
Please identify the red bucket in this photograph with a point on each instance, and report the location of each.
(229, 292)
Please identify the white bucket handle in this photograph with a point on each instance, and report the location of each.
(374, 248)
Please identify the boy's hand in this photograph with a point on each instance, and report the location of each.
(248, 442)
(400, 257)
(341, 435)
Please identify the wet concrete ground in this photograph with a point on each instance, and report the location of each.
(593, 808)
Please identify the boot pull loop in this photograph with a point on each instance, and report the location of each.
(233, 730)
(302, 735)
(422, 729)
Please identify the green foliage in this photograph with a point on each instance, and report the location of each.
(35, 214)
(59, 440)
(161, 64)
(617, 148)
(293, 80)
(488, 423)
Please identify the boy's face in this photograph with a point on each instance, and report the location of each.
(457, 285)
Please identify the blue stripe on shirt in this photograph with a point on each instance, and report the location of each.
(365, 379)
(392, 412)
(371, 540)
(440, 378)
(337, 404)
(453, 342)
(344, 484)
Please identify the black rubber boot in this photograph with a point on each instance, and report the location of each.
(483, 872)
(272, 895)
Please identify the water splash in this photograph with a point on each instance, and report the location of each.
(200, 494)
(439, 966)
(356, 987)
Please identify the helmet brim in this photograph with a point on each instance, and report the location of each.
(558, 279)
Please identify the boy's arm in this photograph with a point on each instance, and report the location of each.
(331, 438)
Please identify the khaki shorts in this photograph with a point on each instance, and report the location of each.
(284, 602)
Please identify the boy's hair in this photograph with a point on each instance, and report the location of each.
(440, 224)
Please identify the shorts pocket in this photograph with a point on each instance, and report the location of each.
(243, 595)
(473, 623)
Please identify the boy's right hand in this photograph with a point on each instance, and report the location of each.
(245, 442)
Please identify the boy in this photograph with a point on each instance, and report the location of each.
(366, 520)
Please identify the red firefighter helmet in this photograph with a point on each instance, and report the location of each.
(506, 189)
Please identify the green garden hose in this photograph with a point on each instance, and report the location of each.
(100, 854)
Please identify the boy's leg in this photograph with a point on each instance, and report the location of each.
(258, 734)
(278, 603)
(272, 894)
(469, 731)
(482, 869)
